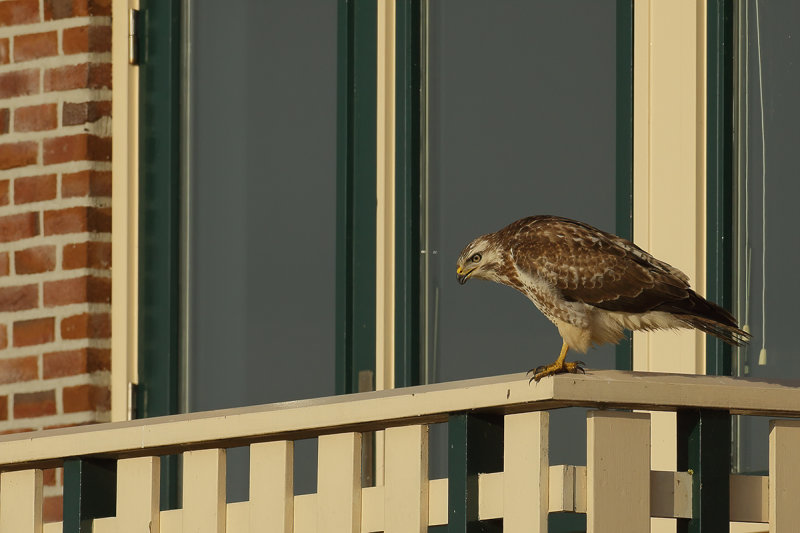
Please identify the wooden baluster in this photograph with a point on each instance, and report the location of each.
(339, 483)
(272, 487)
(138, 491)
(204, 491)
(526, 472)
(21, 501)
(618, 472)
(784, 476)
(406, 479)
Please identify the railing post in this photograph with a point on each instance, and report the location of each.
(475, 446)
(704, 450)
(90, 491)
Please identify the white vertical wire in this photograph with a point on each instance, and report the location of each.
(763, 198)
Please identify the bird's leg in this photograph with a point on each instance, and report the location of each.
(558, 367)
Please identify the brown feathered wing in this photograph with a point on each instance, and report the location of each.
(594, 267)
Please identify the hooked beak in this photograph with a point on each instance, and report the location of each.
(462, 275)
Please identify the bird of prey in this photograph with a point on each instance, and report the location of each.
(591, 284)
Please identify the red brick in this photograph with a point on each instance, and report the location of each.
(35, 189)
(84, 289)
(15, 12)
(13, 155)
(59, 9)
(19, 82)
(91, 326)
(94, 183)
(49, 477)
(33, 404)
(34, 331)
(5, 121)
(86, 39)
(86, 398)
(4, 187)
(53, 509)
(83, 76)
(74, 362)
(18, 369)
(73, 114)
(3, 407)
(19, 298)
(5, 267)
(35, 45)
(36, 118)
(17, 227)
(3, 337)
(4, 51)
(87, 255)
(81, 147)
(77, 220)
(35, 260)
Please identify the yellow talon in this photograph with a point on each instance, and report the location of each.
(557, 367)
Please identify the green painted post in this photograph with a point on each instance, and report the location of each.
(704, 436)
(719, 173)
(159, 231)
(356, 191)
(90, 491)
(704, 449)
(475, 446)
(407, 194)
(624, 152)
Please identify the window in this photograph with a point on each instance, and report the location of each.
(767, 168)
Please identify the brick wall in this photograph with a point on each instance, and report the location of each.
(55, 217)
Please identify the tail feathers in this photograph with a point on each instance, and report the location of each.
(707, 316)
(730, 334)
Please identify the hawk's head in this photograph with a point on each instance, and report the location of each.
(482, 258)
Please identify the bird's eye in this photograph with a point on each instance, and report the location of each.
(475, 258)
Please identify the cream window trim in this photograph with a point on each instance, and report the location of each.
(669, 163)
(385, 215)
(125, 220)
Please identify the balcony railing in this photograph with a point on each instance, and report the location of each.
(498, 466)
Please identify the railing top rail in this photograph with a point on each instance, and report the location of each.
(413, 405)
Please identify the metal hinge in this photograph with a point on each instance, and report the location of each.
(133, 37)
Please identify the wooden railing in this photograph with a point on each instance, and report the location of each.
(498, 431)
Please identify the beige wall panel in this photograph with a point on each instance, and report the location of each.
(490, 495)
(171, 521)
(237, 518)
(204, 506)
(339, 483)
(21, 501)
(372, 518)
(107, 525)
(618, 472)
(305, 513)
(138, 491)
(526, 472)
(749, 498)
(406, 479)
(784, 476)
(272, 487)
(437, 502)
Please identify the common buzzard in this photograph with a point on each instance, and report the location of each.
(591, 284)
